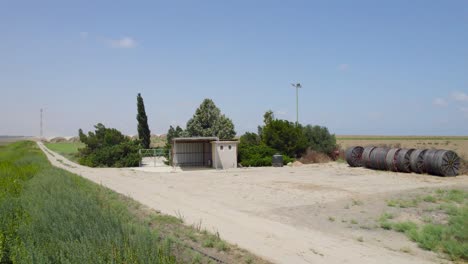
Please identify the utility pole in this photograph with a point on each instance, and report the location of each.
(41, 133)
(297, 86)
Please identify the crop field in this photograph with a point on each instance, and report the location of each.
(49, 215)
(457, 144)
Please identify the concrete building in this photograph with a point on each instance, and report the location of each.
(224, 154)
(204, 152)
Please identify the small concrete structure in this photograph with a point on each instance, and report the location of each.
(204, 152)
(224, 154)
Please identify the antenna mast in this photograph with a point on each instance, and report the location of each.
(42, 110)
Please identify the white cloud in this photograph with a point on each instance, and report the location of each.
(439, 102)
(460, 96)
(125, 42)
(343, 67)
(84, 34)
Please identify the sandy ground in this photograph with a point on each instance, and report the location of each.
(281, 214)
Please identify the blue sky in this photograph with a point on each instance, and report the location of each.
(367, 67)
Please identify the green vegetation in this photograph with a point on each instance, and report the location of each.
(449, 236)
(257, 155)
(320, 139)
(206, 122)
(283, 137)
(51, 216)
(403, 203)
(144, 133)
(48, 215)
(67, 149)
(209, 122)
(384, 221)
(107, 147)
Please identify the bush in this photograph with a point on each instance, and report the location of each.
(313, 156)
(255, 155)
(108, 147)
(285, 137)
(258, 155)
(319, 139)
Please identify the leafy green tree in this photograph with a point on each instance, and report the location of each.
(172, 133)
(320, 139)
(108, 147)
(285, 137)
(144, 133)
(250, 139)
(267, 118)
(209, 122)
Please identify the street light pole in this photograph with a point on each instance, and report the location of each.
(297, 86)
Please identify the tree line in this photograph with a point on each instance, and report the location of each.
(108, 147)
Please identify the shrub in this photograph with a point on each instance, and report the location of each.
(285, 137)
(108, 147)
(257, 155)
(319, 139)
(250, 139)
(313, 156)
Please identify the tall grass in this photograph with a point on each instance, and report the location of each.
(48, 215)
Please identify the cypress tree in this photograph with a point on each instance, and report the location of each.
(144, 133)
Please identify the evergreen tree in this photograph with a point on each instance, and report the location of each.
(144, 133)
(209, 122)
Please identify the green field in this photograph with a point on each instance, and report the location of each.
(67, 149)
(48, 215)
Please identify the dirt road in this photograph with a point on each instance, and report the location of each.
(279, 213)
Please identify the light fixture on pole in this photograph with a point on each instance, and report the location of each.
(297, 86)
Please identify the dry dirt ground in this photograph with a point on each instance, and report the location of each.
(324, 213)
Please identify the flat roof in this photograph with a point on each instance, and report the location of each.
(226, 141)
(194, 139)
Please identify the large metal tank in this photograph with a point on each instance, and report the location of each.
(366, 155)
(441, 162)
(354, 156)
(403, 160)
(417, 161)
(377, 159)
(391, 159)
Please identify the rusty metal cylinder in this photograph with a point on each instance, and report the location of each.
(391, 159)
(366, 155)
(354, 156)
(417, 161)
(403, 160)
(377, 159)
(441, 162)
